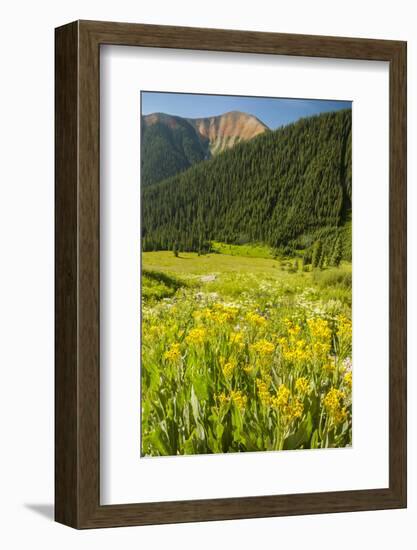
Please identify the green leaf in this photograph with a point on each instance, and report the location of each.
(195, 406)
(301, 436)
(189, 444)
(219, 431)
(200, 387)
(314, 443)
(159, 441)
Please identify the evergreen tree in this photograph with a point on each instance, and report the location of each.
(317, 254)
(337, 253)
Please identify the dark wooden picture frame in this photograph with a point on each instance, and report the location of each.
(77, 360)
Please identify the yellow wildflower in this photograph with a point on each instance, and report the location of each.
(290, 407)
(302, 386)
(348, 379)
(333, 403)
(333, 398)
(196, 336)
(265, 375)
(339, 415)
(228, 366)
(301, 351)
(263, 392)
(321, 334)
(222, 398)
(282, 397)
(224, 314)
(292, 328)
(239, 398)
(296, 409)
(344, 330)
(319, 328)
(256, 319)
(321, 349)
(294, 350)
(237, 338)
(206, 313)
(263, 347)
(174, 353)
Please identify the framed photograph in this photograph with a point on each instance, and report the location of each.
(230, 274)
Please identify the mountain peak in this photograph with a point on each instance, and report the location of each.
(226, 130)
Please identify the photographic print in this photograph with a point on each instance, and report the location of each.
(246, 274)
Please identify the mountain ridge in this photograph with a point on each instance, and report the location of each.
(172, 144)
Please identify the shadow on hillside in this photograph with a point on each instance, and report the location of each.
(167, 280)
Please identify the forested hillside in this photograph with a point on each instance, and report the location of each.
(287, 188)
(169, 145)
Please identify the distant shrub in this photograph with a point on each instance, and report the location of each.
(333, 278)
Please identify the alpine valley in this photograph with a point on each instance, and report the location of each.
(230, 179)
(246, 283)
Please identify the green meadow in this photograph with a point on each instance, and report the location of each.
(242, 351)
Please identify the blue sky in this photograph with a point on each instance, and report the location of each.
(274, 112)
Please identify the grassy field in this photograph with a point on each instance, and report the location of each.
(244, 352)
(249, 250)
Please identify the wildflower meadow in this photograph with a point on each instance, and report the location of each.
(244, 353)
(246, 288)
